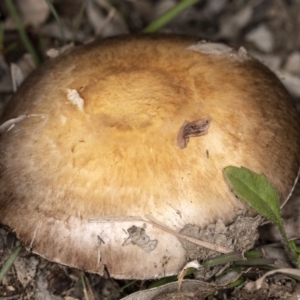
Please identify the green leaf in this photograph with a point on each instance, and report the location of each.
(256, 190)
(169, 16)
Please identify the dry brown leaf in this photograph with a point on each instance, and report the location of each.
(191, 289)
(190, 265)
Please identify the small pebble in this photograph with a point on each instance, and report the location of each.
(232, 25)
(292, 64)
(262, 38)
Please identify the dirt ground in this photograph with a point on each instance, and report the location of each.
(268, 29)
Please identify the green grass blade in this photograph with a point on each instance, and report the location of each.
(1, 34)
(7, 265)
(55, 15)
(1, 38)
(169, 16)
(223, 259)
(23, 34)
(236, 283)
(162, 281)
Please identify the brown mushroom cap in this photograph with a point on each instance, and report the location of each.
(95, 150)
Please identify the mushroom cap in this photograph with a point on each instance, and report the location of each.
(94, 149)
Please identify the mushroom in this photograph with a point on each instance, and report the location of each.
(113, 151)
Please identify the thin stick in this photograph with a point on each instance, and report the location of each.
(204, 244)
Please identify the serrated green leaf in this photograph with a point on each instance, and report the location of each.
(256, 190)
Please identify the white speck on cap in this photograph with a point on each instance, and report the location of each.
(75, 98)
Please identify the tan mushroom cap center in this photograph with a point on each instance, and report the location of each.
(122, 146)
(135, 100)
